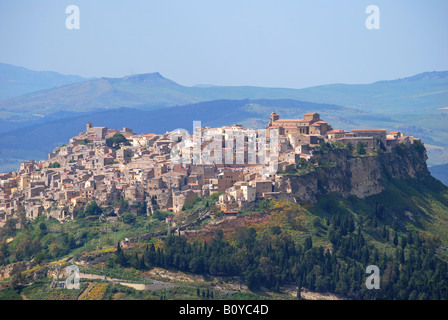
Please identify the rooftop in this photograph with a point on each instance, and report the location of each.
(291, 120)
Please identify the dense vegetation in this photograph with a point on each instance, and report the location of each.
(46, 239)
(273, 259)
(394, 230)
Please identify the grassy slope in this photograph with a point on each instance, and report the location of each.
(408, 205)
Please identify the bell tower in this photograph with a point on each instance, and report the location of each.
(274, 117)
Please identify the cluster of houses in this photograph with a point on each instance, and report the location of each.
(90, 168)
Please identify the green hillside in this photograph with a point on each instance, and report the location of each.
(278, 245)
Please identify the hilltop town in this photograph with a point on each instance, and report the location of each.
(108, 165)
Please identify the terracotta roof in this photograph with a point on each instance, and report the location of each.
(291, 120)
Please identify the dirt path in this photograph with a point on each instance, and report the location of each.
(155, 285)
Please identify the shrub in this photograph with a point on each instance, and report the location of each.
(92, 209)
(128, 218)
(161, 215)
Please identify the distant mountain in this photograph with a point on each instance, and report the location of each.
(433, 75)
(147, 91)
(413, 105)
(151, 79)
(15, 81)
(425, 93)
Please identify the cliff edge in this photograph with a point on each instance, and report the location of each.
(338, 171)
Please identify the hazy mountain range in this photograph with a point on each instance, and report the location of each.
(40, 110)
(15, 81)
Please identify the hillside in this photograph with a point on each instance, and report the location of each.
(148, 91)
(16, 81)
(266, 252)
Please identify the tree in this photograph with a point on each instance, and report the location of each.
(142, 208)
(252, 278)
(395, 241)
(117, 140)
(40, 257)
(128, 218)
(4, 252)
(403, 242)
(360, 148)
(55, 250)
(9, 228)
(121, 258)
(54, 165)
(350, 147)
(92, 209)
(308, 243)
(43, 227)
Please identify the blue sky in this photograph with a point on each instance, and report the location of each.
(245, 42)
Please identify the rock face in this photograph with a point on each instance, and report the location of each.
(354, 176)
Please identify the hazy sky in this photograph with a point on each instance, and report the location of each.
(225, 42)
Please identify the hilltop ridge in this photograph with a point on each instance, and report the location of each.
(430, 75)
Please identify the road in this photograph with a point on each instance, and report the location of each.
(155, 285)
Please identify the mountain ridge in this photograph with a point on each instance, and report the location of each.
(414, 107)
(429, 75)
(419, 93)
(16, 80)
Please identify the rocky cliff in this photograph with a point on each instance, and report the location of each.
(339, 172)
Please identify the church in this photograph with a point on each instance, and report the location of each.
(311, 124)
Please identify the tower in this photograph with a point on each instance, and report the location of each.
(274, 117)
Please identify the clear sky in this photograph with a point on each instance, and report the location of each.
(281, 43)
